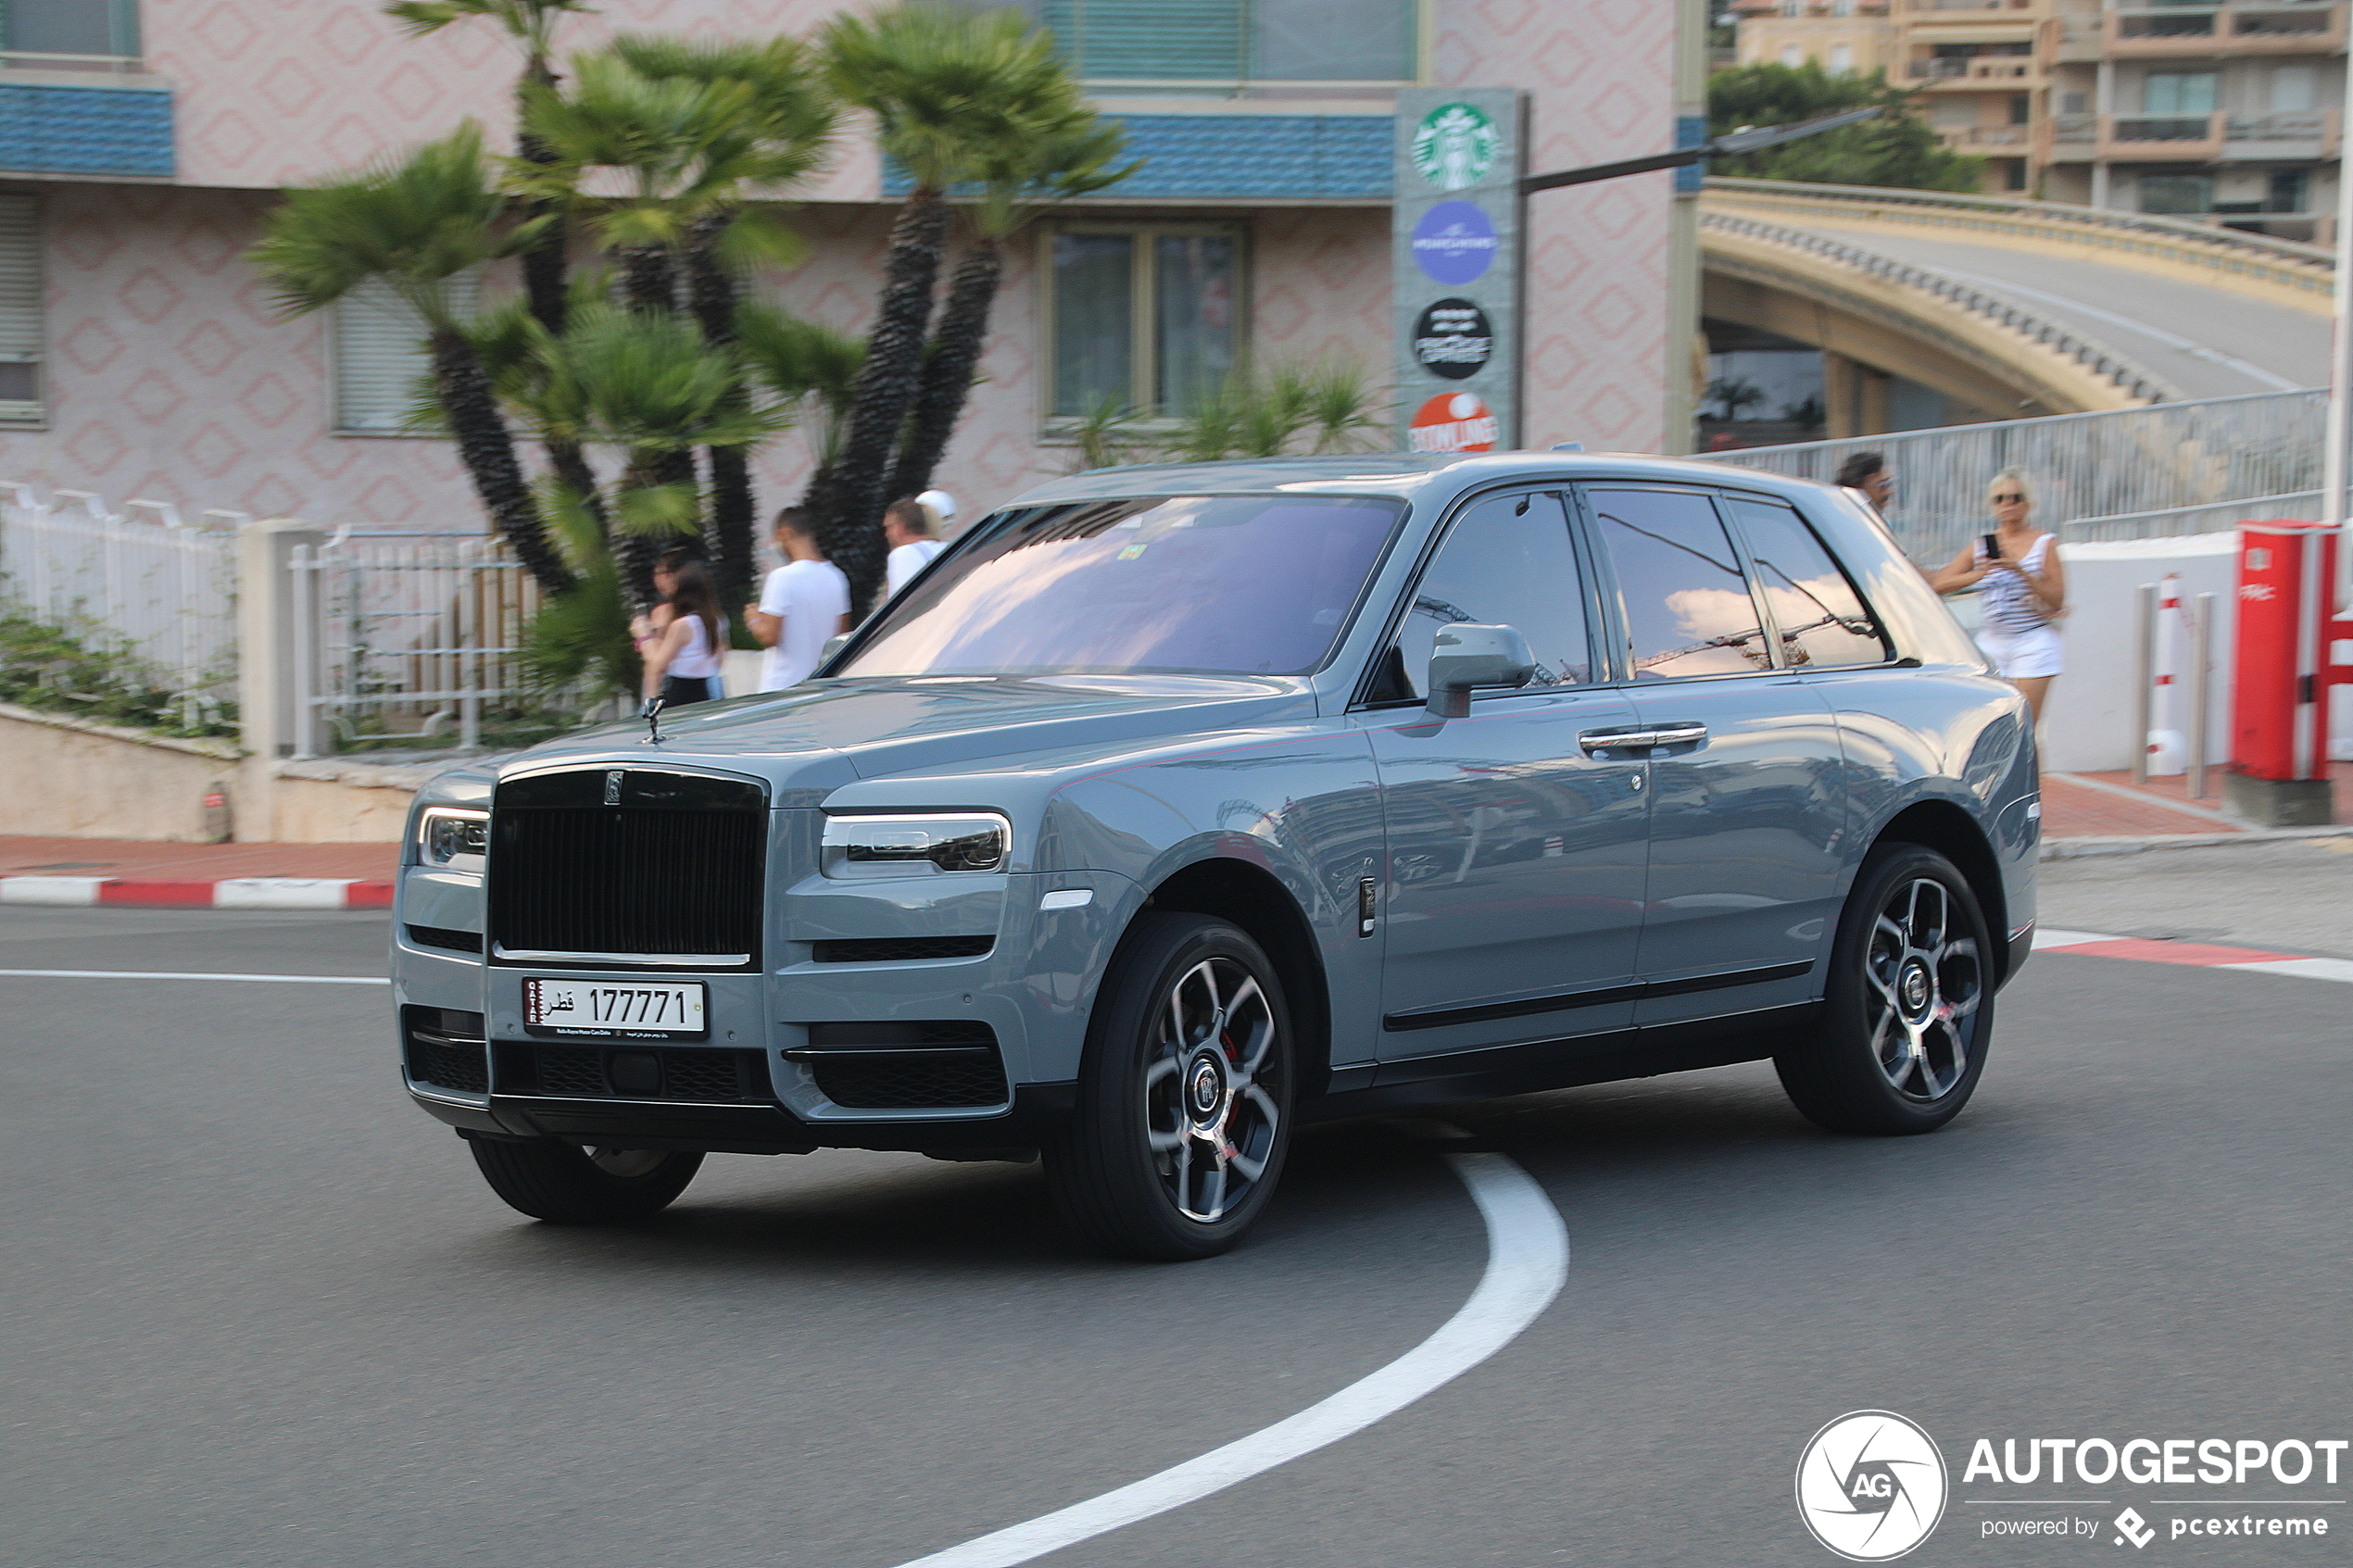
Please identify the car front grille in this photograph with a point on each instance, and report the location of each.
(442, 1050)
(948, 1065)
(588, 1072)
(618, 867)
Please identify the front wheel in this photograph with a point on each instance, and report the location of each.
(567, 1185)
(1909, 1009)
(1185, 1099)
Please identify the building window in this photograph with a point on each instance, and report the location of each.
(1792, 55)
(1145, 317)
(95, 30)
(380, 359)
(21, 327)
(2178, 92)
(2289, 189)
(2176, 194)
(1178, 41)
(2294, 88)
(1841, 59)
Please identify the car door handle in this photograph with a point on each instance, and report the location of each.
(1626, 739)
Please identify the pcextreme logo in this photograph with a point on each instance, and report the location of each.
(1870, 1485)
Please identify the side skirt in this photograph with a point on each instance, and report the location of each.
(1645, 1051)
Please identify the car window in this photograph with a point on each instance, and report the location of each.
(1507, 561)
(1823, 621)
(1185, 584)
(1688, 607)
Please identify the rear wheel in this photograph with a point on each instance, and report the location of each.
(1184, 1102)
(1909, 1008)
(567, 1185)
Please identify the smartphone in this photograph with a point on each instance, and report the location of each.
(1993, 546)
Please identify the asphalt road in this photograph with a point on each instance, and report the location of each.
(2208, 343)
(256, 1310)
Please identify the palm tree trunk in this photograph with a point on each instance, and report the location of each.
(948, 369)
(488, 452)
(648, 279)
(637, 553)
(543, 263)
(847, 509)
(711, 295)
(570, 464)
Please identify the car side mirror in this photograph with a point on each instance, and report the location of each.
(833, 645)
(1464, 658)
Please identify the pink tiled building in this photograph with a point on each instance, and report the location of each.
(141, 144)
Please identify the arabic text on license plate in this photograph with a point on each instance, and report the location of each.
(602, 1009)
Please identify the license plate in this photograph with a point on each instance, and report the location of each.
(599, 1010)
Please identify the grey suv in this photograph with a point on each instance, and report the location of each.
(1173, 806)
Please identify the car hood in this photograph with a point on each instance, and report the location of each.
(823, 735)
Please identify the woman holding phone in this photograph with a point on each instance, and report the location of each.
(683, 647)
(2017, 573)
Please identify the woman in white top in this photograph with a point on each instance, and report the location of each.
(682, 660)
(2022, 585)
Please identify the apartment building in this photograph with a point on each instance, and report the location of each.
(2221, 110)
(141, 144)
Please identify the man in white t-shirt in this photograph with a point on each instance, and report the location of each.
(803, 604)
(907, 530)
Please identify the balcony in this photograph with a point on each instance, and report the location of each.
(2161, 138)
(1983, 70)
(2290, 137)
(1989, 139)
(1970, 10)
(2141, 31)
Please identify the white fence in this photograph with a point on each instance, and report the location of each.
(165, 588)
(2130, 473)
(416, 636)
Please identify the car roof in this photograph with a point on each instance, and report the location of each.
(1411, 476)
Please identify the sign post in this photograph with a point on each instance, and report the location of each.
(1455, 267)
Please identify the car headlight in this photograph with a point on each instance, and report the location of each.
(915, 845)
(453, 840)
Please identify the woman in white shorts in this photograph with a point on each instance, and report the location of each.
(2022, 587)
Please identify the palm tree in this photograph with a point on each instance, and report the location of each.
(1051, 150)
(937, 82)
(647, 384)
(532, 24)
(795, 118)
(416, 225)
(810, 366)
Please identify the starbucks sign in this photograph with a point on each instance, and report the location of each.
(1454, 146)
(1455, 265)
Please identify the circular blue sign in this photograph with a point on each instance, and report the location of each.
(1453, 243)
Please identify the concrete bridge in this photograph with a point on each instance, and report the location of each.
(2009, 309)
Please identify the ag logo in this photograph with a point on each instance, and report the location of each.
(1870, 1485)
(1454, 146)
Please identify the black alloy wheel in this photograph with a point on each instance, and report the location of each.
(568, 1185)
(1909, 1005)
(1185, 1099)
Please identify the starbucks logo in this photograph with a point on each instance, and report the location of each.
(1454, 146)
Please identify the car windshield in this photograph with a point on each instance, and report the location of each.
(1193, 585)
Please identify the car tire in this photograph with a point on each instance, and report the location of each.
(1183, 1111)
(1908, 1009)
(567, 1185)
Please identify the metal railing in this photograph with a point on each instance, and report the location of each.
(2126, 473)
(418, 637)
(142, 578)
(1994, 307)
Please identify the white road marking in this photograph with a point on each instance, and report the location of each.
(1527, 1261)
(171, 974)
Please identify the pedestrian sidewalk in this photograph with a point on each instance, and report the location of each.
(2091, 809)
(222, 876)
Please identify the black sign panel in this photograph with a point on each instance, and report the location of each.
(1452, 339)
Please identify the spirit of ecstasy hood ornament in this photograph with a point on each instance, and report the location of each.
(650, 712)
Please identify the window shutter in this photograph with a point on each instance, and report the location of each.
(1112, 40)
(380, 356)
(21, 327)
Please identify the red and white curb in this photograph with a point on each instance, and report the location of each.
(224, 893)
(2205, 955)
